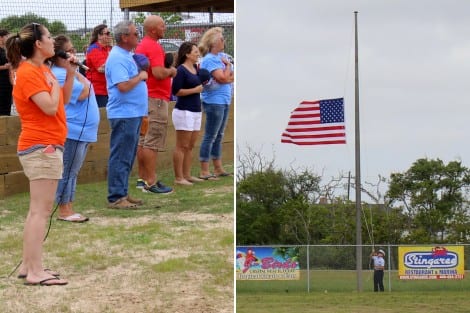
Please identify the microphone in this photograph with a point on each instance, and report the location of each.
(169, 59)
(62, 54)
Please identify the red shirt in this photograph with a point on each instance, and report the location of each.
(157, 88)
(96, 56)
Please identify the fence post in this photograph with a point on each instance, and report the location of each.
(308, 268)
(389, 270)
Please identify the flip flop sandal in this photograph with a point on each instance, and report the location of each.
(49, 271)
(224, 174)
(209, 177)
(44, 282)
(74, 218)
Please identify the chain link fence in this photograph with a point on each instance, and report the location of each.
(77, 19)
(332, 268)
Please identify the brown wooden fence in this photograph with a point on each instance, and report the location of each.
(12, 179)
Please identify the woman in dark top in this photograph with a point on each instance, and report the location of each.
(6, 87)
(187, 114)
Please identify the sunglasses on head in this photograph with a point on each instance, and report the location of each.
(35, 31)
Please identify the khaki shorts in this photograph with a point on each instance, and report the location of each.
(155, 137)
(42, 165)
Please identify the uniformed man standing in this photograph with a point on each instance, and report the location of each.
(379, 265)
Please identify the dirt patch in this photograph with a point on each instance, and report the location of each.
(132, 285)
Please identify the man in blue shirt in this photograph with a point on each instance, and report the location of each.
(127, 104)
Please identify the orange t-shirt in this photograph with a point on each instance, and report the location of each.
(36, 126)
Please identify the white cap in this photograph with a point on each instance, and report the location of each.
(382, 251)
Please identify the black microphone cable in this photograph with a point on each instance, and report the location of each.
(66, 183)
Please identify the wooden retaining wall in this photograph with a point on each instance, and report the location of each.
(12, 179)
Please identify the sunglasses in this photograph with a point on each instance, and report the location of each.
(35, 31)
(107, 33)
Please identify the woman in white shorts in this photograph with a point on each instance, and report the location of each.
(187, 114)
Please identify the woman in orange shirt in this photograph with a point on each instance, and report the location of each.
(40, 102)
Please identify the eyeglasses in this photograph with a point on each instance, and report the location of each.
(107, 33)
(71, 50)
(135, 34)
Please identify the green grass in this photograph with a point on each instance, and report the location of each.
(345, 281)
(335, 291)
(142, 260)
(352, 302)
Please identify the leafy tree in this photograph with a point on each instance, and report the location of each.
(56, 28)
(432, 195)
(259, 198)
(302, 223)
(14, 23)
(168, 17)
(382, 224)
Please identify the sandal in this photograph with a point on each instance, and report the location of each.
(224, 174)
(134, 200)
(209, 177)
(183, 182)
(194, 179)
(74, 218)
(122, 203)
(51, 281)
(49, 271)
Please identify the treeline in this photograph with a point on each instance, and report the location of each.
(428, 203)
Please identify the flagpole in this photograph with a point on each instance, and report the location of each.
(358, 167)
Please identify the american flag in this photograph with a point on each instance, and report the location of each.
(318, 122)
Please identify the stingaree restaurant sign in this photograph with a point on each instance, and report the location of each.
(431, 262)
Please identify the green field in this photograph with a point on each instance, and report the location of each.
(335, 291)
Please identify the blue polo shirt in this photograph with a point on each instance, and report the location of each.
(121, 67)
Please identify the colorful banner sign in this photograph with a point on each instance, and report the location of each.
(266, 263)
(431, 262)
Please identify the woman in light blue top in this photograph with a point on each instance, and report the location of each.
(216, 98)
(83, 118)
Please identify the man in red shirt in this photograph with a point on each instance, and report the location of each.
(96, 55)
(159, 90)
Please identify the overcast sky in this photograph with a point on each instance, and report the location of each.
(72, 13)
(414, 70)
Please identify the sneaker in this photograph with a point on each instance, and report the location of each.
(140, 184)
(158, 188)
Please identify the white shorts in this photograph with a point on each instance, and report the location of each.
(186, 120)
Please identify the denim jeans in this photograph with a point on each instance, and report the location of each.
(123, 148)
(216, 121)
(74, 155)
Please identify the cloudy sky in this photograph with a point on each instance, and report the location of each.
(414, 71)
(73, 13)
